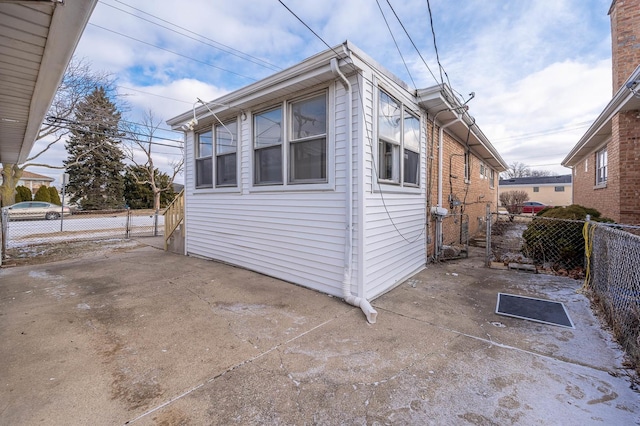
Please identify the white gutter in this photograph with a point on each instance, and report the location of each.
(359, 300)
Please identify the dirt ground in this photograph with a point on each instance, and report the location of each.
(39, 254)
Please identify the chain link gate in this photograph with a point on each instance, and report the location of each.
(455, 236)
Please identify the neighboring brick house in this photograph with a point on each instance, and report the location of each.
(605, 160)
(33, 181)
(549, 190)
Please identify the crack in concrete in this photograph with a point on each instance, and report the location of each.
(228, 370)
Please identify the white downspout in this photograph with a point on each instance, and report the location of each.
(440, 167)
(358, 301)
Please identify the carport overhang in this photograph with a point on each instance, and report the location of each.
(440, 100)
(600, 131)
(37, 40)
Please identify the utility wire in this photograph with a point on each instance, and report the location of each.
(397, 46)
(411, 40)
(368, 133)
(229, 50)
(173, 52)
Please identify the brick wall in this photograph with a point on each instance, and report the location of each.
(625, 39)
(473, 196)
(627, 126)
(605, 199)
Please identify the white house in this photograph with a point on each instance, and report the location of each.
(316, 175)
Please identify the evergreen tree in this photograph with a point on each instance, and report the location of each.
(23, 194)
(42, 194)
(140, 195)
(95, 162)
(55, 197)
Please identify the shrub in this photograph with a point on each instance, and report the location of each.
(559, 241)
(42, 194)
(55, 197)
(23, 194)
(512, 201)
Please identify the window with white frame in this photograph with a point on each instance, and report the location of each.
(204, 160)
(467, 166)
(226, 154)
(601, 167)
(308, 140)
(303, 146)
(492, 178)
(398, 143)
(482, 171)
(267, 147)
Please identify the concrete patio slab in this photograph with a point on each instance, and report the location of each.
(152, 338)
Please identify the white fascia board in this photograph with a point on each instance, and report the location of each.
(67, 25)
(314, 66)
(600, 130)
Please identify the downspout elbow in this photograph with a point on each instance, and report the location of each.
(357, 301)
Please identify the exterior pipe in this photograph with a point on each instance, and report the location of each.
(359, 300)
(440, 167)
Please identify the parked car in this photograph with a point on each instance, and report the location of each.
(35, 210)
(533, 207)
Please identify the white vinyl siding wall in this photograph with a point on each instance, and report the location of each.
(296, 236)
(388, 256)
(299, 235)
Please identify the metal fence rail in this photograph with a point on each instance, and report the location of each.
(92, 225)
(614, 280)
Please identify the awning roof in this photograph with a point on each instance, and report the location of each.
(37, 40)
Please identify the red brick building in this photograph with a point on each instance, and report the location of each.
(605, 160)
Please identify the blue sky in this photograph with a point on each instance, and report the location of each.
(540, 69)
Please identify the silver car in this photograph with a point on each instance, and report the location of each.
(36, 210)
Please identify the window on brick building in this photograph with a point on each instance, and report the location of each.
(601, 167)
(536, 189)
(559, 188)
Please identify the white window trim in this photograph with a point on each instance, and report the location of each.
(601, 183)
(228, 188)
(196, 157)
(286, 186)
(213, 188)
(389, 186)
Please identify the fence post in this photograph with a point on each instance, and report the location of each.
(488, 237)
(4, 219)
(155, 224)
(127, 231)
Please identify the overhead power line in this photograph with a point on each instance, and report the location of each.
(173, 52)
(212, 43)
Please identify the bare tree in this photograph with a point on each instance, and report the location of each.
(516, 170)
(77, 83)
(513, 200)
(144, 171)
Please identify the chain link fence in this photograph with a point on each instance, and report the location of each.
(613, 279)
(455, 236)
(535, 243)
(19, 235)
